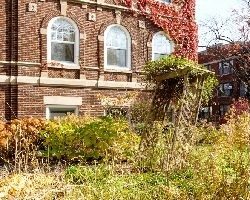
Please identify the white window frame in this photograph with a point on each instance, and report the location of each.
(67, 65)
(128, 55)
(49, 107)
(168, 38)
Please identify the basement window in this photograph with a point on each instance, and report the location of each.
(243, 89)
(54, 111)
(166, 1)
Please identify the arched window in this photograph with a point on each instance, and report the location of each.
(63, 41)
(117, 47)
(161, 46)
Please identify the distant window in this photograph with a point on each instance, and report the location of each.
(117, 44)
(209, 67)
(206, 112)
(161, 46)
(224, 109)
(243, 89)
(226, 89)
(63, 40)
(225, 67)
(60, 111)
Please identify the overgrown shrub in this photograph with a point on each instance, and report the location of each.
(20, 140)
(218, 165)
(84, 138)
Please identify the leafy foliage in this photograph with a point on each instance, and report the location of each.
(216, 166)
(90, 138)
(182, 30)
(179, 67)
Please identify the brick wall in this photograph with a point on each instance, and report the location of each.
(213, 60)
(23, 39)
(31, 99)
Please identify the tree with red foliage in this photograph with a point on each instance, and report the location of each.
(240, 106)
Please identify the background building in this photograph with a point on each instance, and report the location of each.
(230, 86)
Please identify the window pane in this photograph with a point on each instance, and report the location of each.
(62, 52)
(226, 89)
(161, 44)
(60, 112)
(116, 38)
(243, 89)
(64, 29)
(116, 57)
(224, 109)
(225, 68)
(158, 56)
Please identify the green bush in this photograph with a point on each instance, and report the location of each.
(90, 138)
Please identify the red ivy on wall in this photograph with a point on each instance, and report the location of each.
(177, 19)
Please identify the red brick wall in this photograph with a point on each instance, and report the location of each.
(22, 41)
(30, 99)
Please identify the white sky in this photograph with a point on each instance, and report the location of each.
(207, 9)
(210, 8)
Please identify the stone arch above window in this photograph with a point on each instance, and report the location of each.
(161, 45)
(63, 41)
(117, 48)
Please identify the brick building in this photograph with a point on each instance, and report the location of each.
(58, 56)
(230, 87)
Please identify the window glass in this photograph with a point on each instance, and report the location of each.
(117, 112)
(117, 47)
(62, 41)
(61, 111)
(62, 52)
(165, 1)
(226, 89)
(116, 57)
(224, 109)
(206, 112)
(209, 67)
(243, 89)
(225, 68)
(161, 46)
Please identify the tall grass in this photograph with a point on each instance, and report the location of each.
(217, 166)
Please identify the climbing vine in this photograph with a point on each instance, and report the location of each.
(176, 19)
